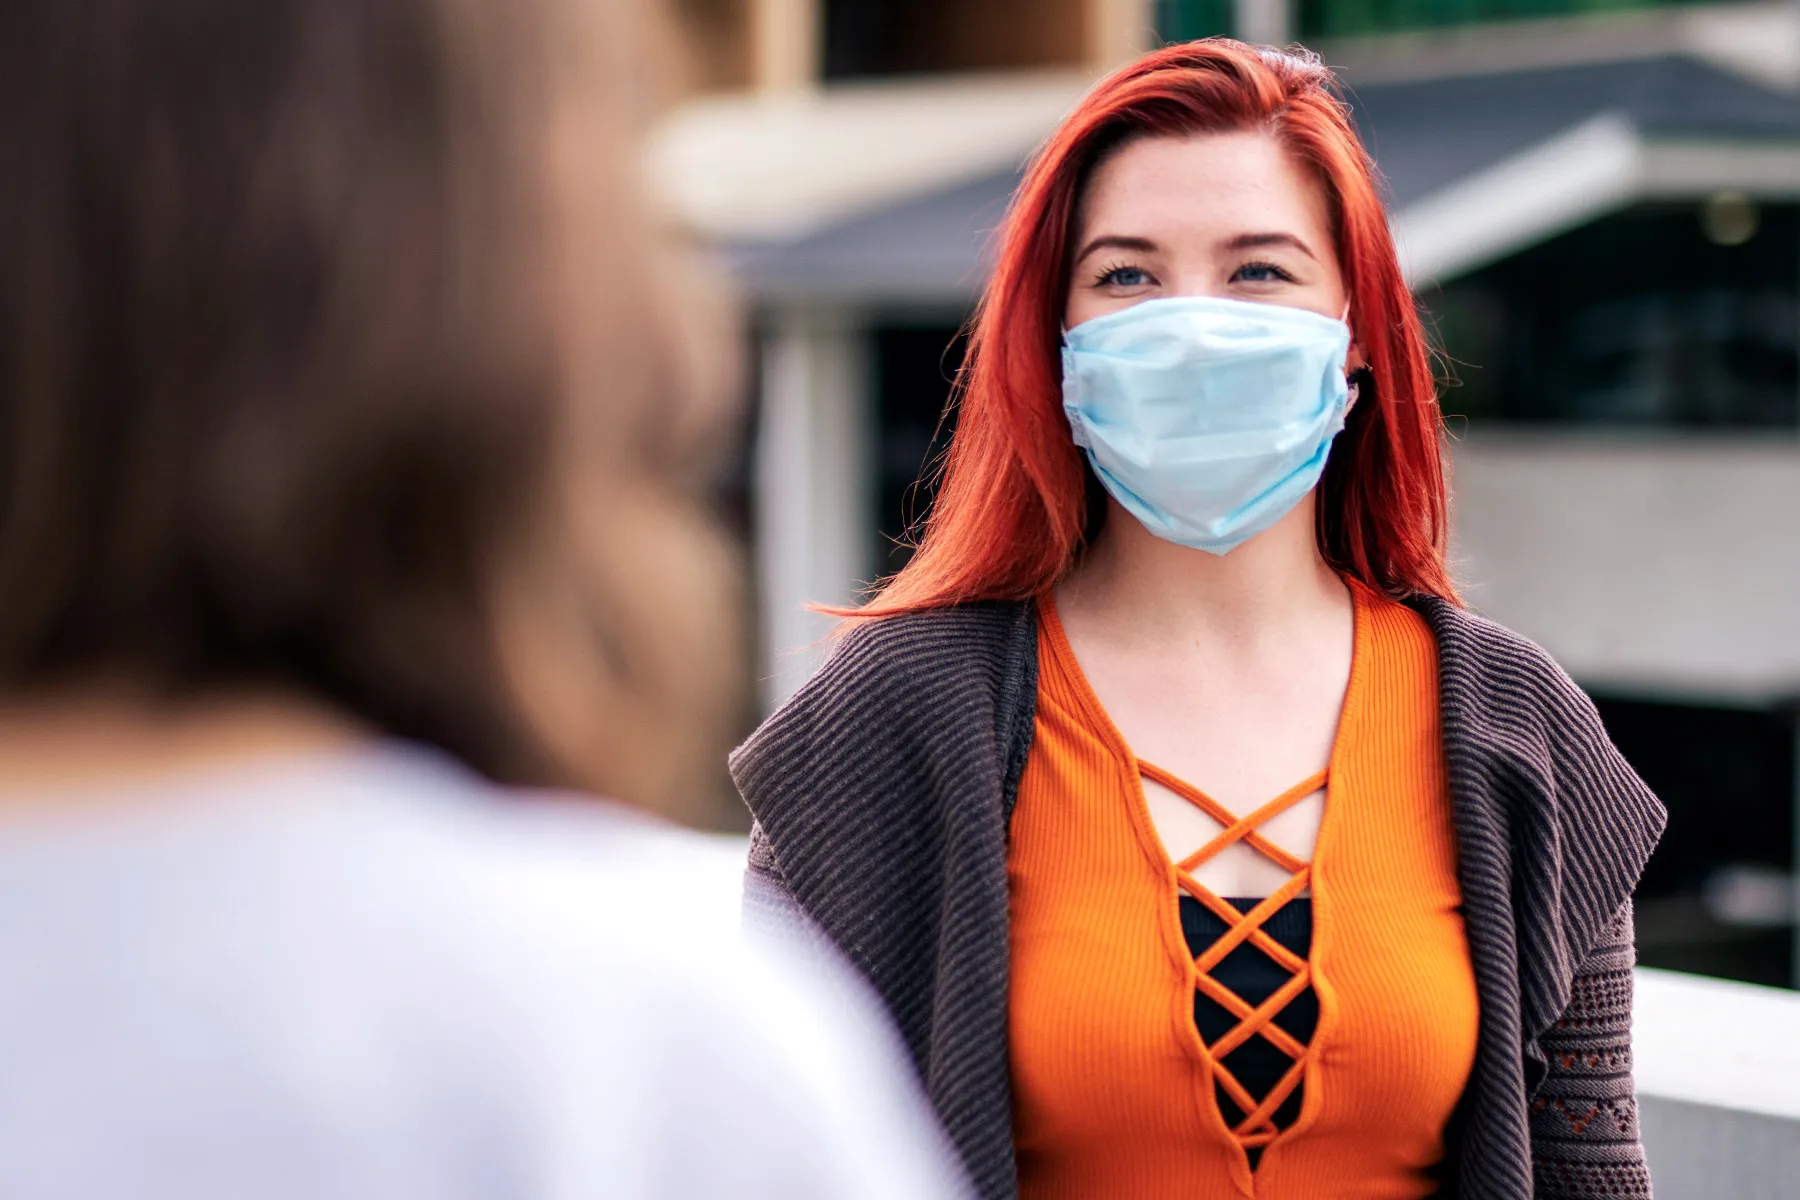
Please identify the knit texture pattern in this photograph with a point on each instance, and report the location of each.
(882, 794)
(1584, 1128)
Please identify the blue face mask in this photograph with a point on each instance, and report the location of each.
(1208, 419)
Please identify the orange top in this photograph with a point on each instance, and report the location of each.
(1115, 1093)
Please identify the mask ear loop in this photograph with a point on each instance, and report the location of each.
(1352, 379)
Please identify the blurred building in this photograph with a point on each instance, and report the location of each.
(1600, 211)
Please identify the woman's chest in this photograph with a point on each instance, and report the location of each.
(1126, 1031)
(1114, 1074)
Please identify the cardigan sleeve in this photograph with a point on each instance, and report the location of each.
(1584, 1117)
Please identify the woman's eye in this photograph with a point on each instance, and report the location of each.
(1125, 277)
(1261, 272)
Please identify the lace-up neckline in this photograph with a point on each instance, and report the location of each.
(1257, 1126)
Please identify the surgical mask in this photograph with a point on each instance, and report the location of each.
(1207, 419)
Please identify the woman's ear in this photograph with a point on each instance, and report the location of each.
(1356, 369)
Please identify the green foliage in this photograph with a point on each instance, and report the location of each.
(1343, 18)
(1185, 20)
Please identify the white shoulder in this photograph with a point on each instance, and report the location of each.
(696, 1059)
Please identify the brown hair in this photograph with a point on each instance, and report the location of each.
(337, 351)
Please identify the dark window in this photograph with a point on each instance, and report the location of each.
(914, 368)
(1717, 896)
(1654, 317)
(898, 37)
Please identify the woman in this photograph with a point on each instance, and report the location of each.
(348, 422)
(1197, 838)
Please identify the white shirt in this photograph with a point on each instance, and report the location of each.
(373, 976)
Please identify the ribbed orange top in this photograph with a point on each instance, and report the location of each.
(1113, 1086)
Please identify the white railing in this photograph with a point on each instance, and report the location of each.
(1718, 1078)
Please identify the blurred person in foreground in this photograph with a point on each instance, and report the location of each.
(350, 408)
(1197, 837)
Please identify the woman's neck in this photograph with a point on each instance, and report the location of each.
(1144, 586)
(104, 734)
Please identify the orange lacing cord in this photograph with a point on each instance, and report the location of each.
(1258, 1128)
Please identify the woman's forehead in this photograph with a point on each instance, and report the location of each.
(1210, 185)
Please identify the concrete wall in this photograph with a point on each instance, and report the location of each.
(1718, 1081)
(1656, 564)
(1702, 1153)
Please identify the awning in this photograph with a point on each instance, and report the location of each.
(1476, 168)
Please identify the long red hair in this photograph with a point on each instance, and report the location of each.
(1012, 508)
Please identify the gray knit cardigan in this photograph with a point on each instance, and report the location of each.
(883, 793)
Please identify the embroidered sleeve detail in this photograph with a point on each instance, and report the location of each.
(1593, 1179)
(1584, 1118)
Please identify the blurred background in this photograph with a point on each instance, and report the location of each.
(1598, 203)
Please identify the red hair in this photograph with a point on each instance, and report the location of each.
(1011, 511)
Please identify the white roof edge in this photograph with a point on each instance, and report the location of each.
(1687, 168)
(1597, 167)
(1756, 1068)
(1554, 186)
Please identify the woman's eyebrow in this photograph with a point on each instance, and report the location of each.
(1251, 241)
(1113, 241)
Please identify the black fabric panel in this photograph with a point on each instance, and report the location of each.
(1249, 972)
(1257, 1064)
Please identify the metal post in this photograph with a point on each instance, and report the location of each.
(816, 539)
